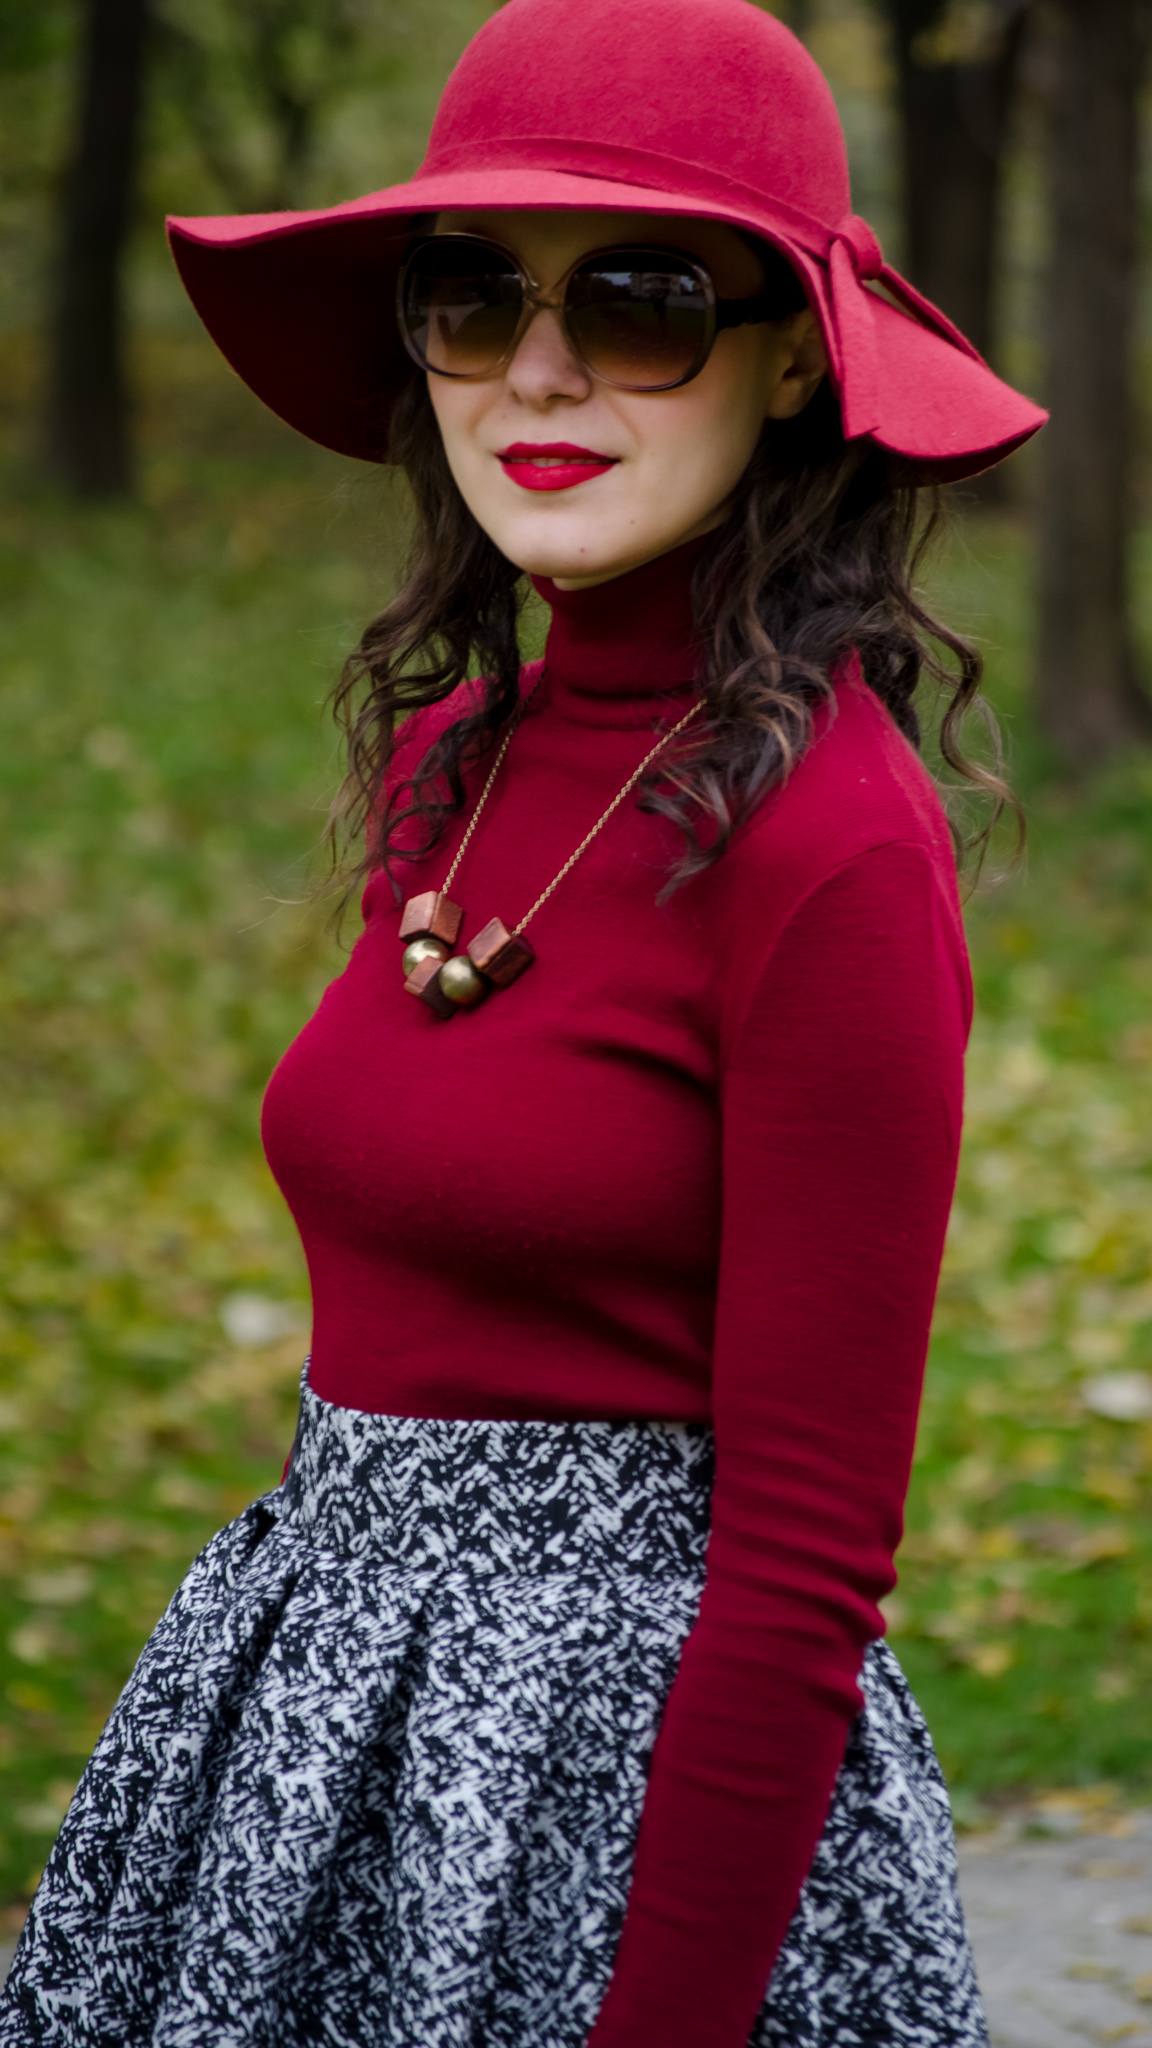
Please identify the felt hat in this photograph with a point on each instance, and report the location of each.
(687, 107)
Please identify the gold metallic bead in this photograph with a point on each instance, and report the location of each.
(461, 983)
(422, 949)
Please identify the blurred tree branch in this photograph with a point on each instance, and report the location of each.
(282, 61)
(797, 15)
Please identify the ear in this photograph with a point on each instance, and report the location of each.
(802, 366)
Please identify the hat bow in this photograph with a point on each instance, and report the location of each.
(855, 260)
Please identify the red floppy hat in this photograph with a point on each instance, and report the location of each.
(688, 107)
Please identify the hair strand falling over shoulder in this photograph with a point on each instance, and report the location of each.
(816, 563)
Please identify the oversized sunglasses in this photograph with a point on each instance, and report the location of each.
(639, 318)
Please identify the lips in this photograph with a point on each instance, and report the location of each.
(552, 465)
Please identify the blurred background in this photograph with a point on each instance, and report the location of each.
(179, 578)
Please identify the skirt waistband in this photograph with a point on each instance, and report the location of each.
(501, 1495)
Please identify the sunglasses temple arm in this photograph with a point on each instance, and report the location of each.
(746, 312)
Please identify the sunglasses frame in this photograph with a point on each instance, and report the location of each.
(718, 313)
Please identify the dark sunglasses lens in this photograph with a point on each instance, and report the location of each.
(461, 302)
(639, 317)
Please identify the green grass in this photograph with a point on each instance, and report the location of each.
(1024, 1614)
(163, 780)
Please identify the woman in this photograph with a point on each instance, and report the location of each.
(510, 1719)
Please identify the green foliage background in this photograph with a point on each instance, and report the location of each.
(163, 780)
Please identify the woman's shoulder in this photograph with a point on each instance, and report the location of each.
(859, 786)
(859, 822)
(416, 734)
(420, 730)
(855, 840)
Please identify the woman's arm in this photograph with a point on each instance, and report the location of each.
(842, 1112)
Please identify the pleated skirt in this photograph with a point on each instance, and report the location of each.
(377, 1777)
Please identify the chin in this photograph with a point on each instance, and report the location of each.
(576, 569)
(573, 557)
(546, 558)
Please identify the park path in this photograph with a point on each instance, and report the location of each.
(1059, 1904)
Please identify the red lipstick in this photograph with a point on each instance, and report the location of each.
(552, 465)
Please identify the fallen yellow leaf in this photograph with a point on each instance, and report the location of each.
(992, 1660)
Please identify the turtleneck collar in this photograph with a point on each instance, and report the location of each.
(614, 649)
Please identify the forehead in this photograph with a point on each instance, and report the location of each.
(548, 241)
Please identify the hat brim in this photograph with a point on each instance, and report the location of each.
(302, 307)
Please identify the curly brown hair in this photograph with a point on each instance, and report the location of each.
(816, 560)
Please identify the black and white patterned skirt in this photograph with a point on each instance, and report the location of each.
(376, 1779)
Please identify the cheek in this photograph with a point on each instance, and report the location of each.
(735, 384)
(460, 411)
(704, 435)
(455, 416)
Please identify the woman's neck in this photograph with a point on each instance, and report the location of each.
(615, 647)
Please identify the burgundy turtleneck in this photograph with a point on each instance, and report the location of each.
(696, 1164)
(621, 652)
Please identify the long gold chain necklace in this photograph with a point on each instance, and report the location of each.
(448, 981)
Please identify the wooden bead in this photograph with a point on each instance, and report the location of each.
(461, 983)
(501, 956)
(431, 916)
(422, 949)
(424, 983)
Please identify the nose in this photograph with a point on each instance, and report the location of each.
(545, 367)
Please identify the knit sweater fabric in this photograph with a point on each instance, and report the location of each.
(695, 1164)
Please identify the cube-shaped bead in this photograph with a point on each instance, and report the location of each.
(500, 955)
(424, 982)
(432, 916)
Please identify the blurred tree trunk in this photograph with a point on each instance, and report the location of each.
(88, 440)
(1088, 699)
(955, 72)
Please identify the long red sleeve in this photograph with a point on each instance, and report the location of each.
(696, 1164)
(837, 1183)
